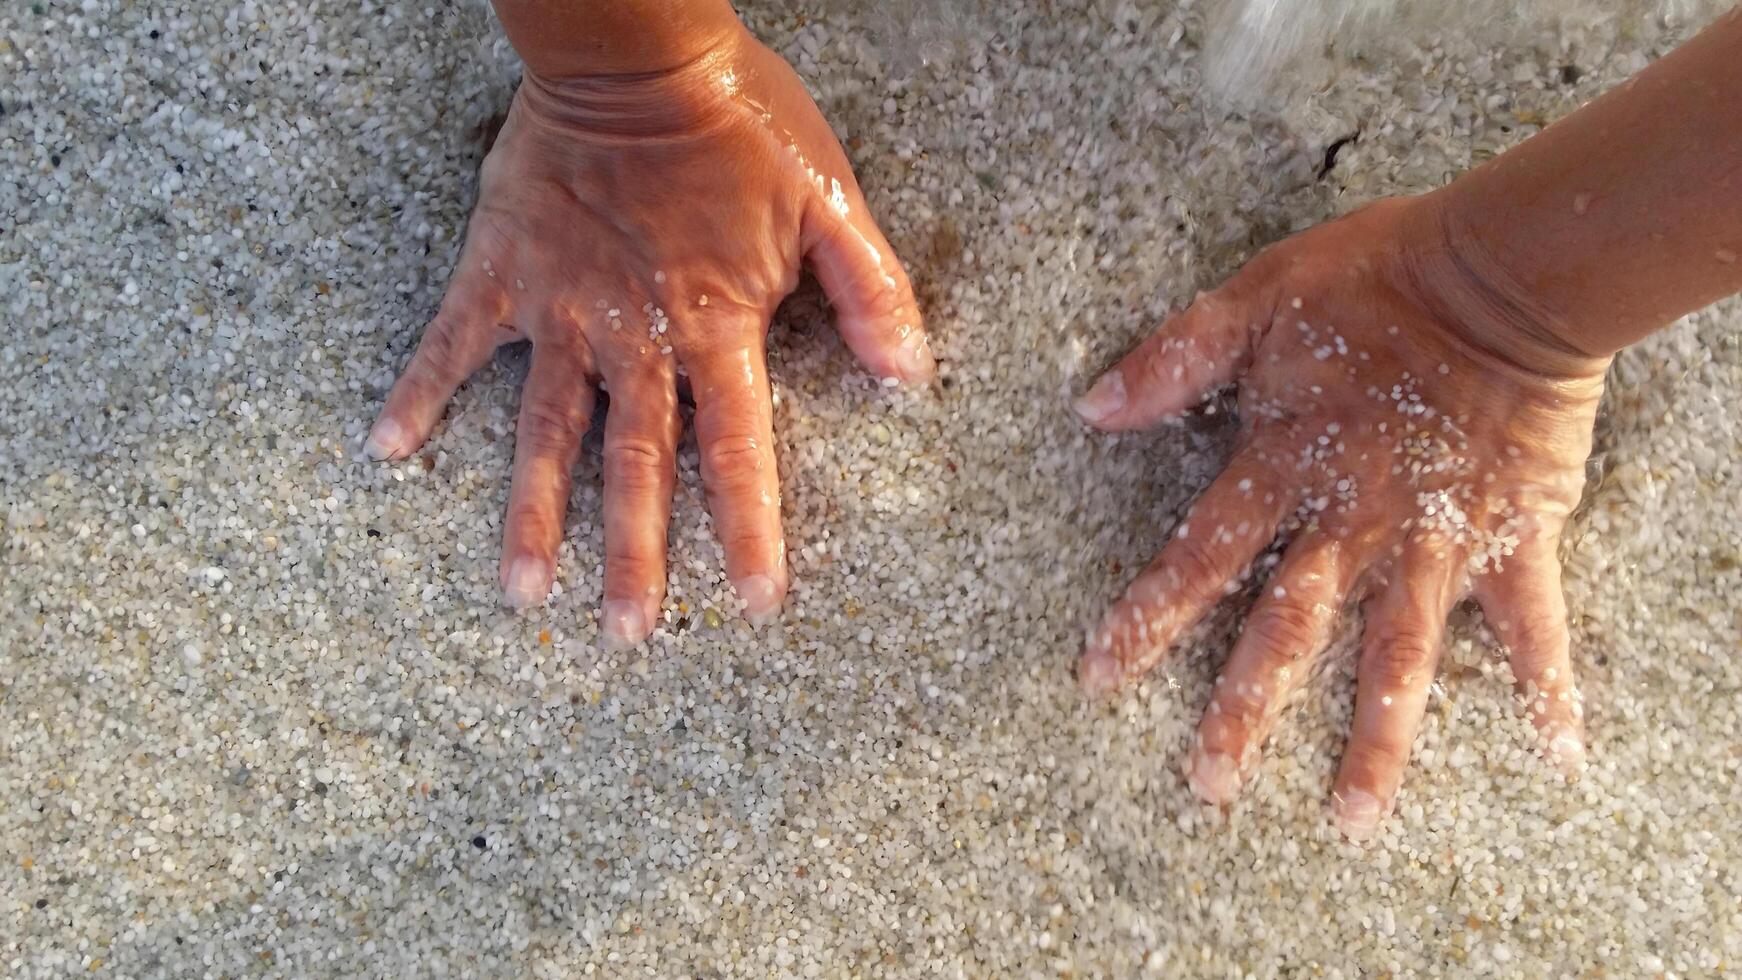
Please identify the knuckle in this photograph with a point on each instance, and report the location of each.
(1196, 565)
(1400, 656)
(877, 292)
(1226, 733)
(1286, 630)
(1246, 702)
(1156, 366)
(634, 464)
(531, 522)
(440, 354)
(629, 562)
(546, 426)
(1377, 752)
(745, 539)
(732, 459)
(1539, 640)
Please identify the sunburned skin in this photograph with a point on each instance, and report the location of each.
(1406, 467)
(638, 229)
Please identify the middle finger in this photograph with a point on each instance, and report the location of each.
(556, 407)
(641, 427)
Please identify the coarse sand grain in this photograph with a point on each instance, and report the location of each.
(263, 714)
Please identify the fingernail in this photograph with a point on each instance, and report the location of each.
(1357, 812)
(528, 583)
(1103, 399)
(915, 362)
(623, 625)
(384, 440)
(1214, 777)
(1098, 673)
(1568, 750)
(761, 599)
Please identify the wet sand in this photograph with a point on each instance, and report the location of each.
(261, 712)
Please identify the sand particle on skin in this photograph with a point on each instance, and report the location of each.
(262, 714)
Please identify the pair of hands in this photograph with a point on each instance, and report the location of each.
(640, 230)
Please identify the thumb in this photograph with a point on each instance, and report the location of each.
(874, 306)
(1192, 354)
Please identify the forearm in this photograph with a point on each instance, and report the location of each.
(566, 38)
(1615, 221)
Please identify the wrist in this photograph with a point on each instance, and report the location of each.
(559, 40)
(681, 99)
(1466, 287)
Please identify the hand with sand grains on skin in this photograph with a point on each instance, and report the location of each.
(1417, 384)
(658, 182)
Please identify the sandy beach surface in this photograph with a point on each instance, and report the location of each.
(262, 713)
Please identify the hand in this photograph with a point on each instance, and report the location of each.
(638, 229)
(1408, 463)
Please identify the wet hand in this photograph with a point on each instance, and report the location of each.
(1407, 465)
(639, 230)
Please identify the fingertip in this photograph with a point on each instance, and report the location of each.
(527, 583)
(914, 360)
(762, 596)
(1357, 813)
(622, 625)
(1098, 673)
(387, 440)
(1104, 399)
(1567, 751)
(1213, 776)
(898, 356)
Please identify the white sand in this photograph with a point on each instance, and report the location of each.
(261, 713)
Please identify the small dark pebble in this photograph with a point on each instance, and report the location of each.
(54, 159)
(373, 533)
(1330, 160)
(42, 903)
(1570, 74)
(478, 842)
(154, 35)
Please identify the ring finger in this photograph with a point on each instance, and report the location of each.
(641, 427)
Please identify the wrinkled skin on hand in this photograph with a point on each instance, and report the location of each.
(1407, 464)
(639, 230)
